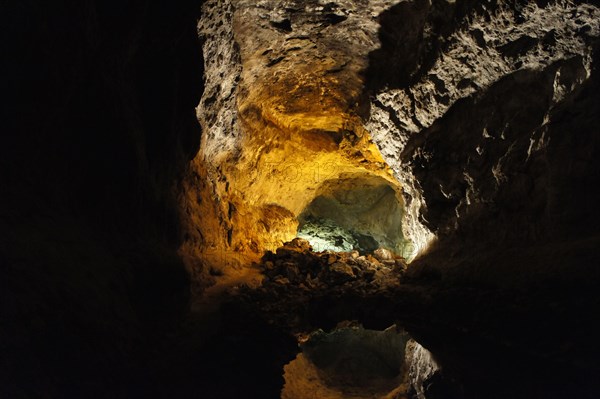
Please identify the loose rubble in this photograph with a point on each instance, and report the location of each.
(294, 275)
(297, 265)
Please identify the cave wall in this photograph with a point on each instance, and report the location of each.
(369, 209)
(488, 119)
(282, 116)
(98, 124)
(484, 113)
(278, 92)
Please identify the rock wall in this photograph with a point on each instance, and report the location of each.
(286, 95)
(473, 118)
(482, 117)
(282, 119)
(217, 110)
(489, 118)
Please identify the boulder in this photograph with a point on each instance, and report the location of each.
(383, 254)
(341, 272)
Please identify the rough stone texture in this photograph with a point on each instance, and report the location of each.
(487, 113)
(367, 207)
(217, 111)
(281, 114)
(492, 129)
(467, 126)
(421, 366)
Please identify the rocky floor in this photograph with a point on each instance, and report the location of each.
(297, 279)
(522, 342)
(253, 325)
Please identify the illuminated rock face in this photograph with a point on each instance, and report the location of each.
(480, 117)
(284, 134)
(486, 113)
(490, 128)
(473, 124)
(301, 94)
(492, 131)
(369, 208)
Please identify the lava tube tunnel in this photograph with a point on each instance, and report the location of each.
(300, 199)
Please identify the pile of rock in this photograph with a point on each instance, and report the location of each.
(296, 264)
(296, 280)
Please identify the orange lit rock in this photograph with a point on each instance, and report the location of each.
(286, 129)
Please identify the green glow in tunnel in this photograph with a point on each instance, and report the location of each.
(326, 235)
(357, 213)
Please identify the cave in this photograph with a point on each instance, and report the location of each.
(353, 213)
(300, 199)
